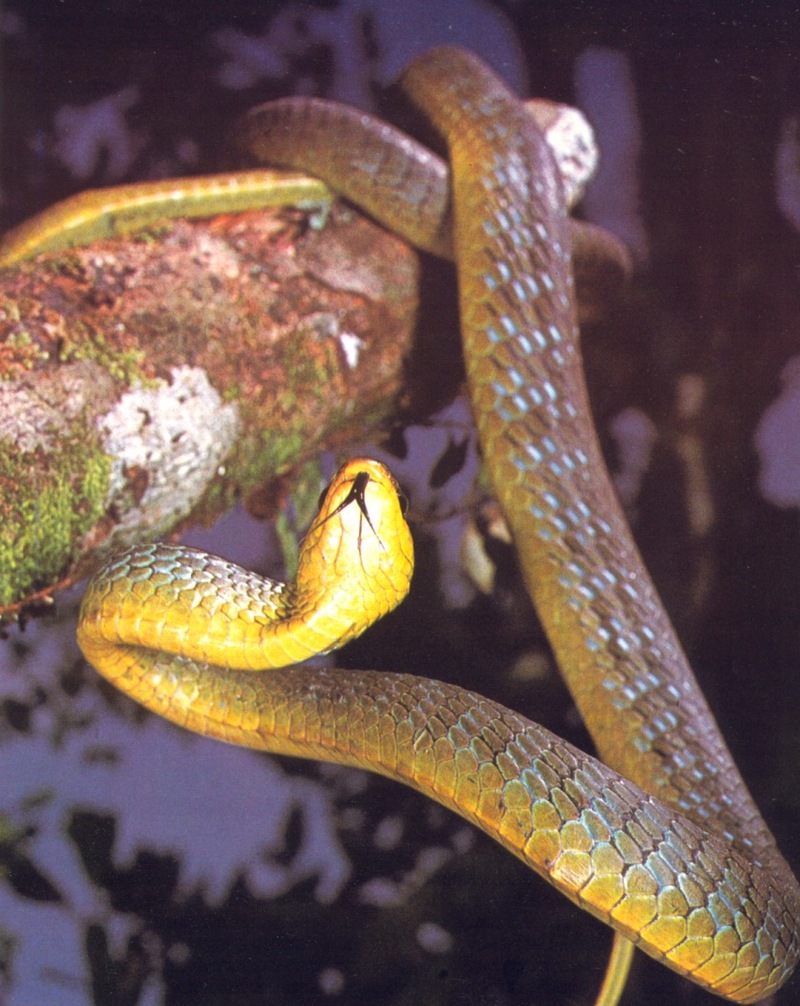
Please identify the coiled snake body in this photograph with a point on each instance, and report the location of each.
(672, 851)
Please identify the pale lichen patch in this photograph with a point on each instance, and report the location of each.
(572, 141)
(167, 443)
(25, 419)
(35, 416)
(351, 347)
(218, 256)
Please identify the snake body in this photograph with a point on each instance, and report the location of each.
(663, 841)
(201, 607)
(122, 209)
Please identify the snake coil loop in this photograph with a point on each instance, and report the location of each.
(629, 840)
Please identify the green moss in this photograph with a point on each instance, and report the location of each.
(151, 235)
(46, 509)
(233, 393)
(280, 453)
(292, 523)
(66, 265)
(86, 343)
(12, 311)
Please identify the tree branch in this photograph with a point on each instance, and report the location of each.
(146, 383)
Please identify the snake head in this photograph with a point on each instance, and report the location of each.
(359, 549)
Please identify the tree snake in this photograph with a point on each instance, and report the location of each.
(663, 841)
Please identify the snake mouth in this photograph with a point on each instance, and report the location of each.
(357, 494)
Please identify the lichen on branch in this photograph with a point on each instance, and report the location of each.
(146, 383)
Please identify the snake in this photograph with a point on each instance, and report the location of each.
(657, 836)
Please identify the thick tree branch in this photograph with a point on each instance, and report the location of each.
(146, 383)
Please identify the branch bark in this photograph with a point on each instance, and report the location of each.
(146, 383)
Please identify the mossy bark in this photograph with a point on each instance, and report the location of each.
(146, 383)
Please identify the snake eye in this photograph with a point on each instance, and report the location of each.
(403, 501)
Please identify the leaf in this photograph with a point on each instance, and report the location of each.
(396, 443)
(449, 464)
(26, 878)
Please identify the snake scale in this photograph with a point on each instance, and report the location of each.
(663, 841)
